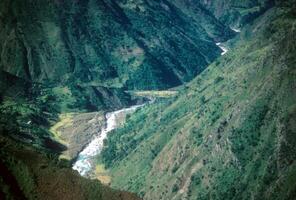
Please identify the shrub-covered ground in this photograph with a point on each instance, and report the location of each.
(230, 134)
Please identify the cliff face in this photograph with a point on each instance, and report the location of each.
(136, 44)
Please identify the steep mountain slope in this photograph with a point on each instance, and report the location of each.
(65, 56)
(29, 164)
(27, 174)
(194, 9)
(236, 13)
(136, 44)
(229, 135)
(74, 56)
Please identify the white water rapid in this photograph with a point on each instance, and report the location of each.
(224, 50)
(85, 160)
(236, 30)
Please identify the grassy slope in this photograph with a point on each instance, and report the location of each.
(229, 135)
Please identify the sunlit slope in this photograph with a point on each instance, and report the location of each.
(229, 135)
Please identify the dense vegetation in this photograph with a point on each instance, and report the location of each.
(113, 44)
(79, 56)
(229, 134)
(29, 164)
(29, 174)
(237, 13)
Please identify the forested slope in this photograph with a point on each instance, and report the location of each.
(137, 44)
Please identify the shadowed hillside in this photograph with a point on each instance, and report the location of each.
(27, 174)
(141, 44)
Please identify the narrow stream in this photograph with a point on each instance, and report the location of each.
(86, 158)
(224, 50)
(236, 30)
(223, 47)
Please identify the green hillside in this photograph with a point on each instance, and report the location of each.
(30, 167)
(229, 134)
(139, 45)
(95, 50)
(236, 13)
(216, 127)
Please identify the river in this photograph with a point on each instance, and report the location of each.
(85, 161)
(223, 48)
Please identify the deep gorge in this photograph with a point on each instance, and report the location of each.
(76, 78)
